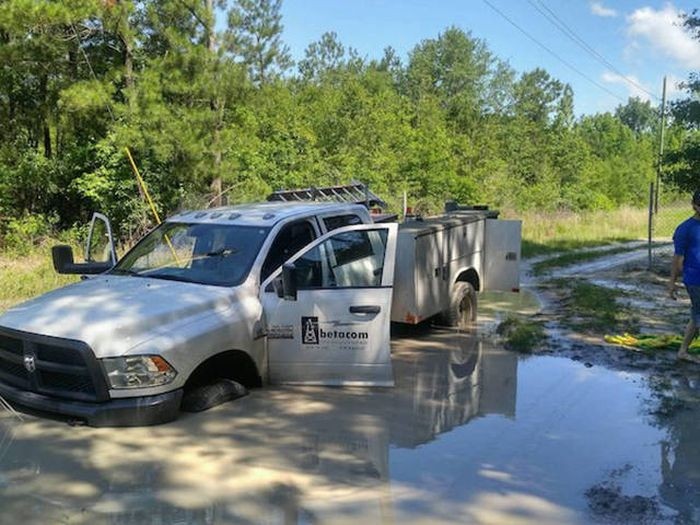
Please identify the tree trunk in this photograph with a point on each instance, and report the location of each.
(45, 129)
(211, 29)
(47, 140)
(128, 58)
(127, 43)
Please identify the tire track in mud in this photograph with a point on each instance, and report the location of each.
(609, 271)
(638, 251)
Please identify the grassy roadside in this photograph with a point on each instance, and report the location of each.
(27, 275)
(561, 232)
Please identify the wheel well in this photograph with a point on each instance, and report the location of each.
(470, 276)
(233, 364)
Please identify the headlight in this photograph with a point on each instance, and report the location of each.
(138, 371)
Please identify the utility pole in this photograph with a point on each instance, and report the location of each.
(659, 164)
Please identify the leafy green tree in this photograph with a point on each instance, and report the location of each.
(638, 115)
(254, 35)
(454, 68)
(538, 96)
(684, 160)
(391, 63)
(321, 57)
(625, 165)
(209, 115)
(564, 114)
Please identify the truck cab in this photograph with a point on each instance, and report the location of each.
(271, 292)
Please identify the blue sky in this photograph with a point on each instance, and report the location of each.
(641, 39)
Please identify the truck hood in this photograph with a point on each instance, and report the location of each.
(115, 313)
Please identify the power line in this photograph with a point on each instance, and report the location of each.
(555, 20)
(560, 59)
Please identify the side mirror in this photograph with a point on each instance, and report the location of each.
(289, 282)
(64, 263)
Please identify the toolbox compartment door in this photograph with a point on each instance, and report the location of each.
(333, 327)
(502, 243)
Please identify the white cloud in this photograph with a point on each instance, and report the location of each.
(662, 30)
(633, 85)
(598, 9)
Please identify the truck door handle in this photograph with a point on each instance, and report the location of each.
(368, 309)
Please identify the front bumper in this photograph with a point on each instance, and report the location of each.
(123, 412)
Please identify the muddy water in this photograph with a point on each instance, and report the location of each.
(470, 434)
(494, 305)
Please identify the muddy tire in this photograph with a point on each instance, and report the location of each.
(462, 311)
(207, 396)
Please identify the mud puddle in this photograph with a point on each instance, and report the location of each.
(470, 434)
(494, 306)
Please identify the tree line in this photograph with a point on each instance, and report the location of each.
(206, 96)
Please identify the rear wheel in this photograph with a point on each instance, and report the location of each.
(462, 311)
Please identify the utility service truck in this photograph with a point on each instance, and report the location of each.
(213, 302)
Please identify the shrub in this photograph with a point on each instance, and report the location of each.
(24, 233)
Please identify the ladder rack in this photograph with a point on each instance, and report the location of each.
(355, 192)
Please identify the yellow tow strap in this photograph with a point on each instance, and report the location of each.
(651, 343)
(142, 184)
(144, 188)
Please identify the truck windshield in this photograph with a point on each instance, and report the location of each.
(215, 254)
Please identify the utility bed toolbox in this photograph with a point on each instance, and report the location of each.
(470, 245)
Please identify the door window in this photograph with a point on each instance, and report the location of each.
(100, 246)
(333, 223)
(290, 239)
(348, 259)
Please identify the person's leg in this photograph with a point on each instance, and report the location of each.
(691, 329)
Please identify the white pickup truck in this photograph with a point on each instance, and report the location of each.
(215, 301)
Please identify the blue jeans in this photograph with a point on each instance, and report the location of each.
(694, 293)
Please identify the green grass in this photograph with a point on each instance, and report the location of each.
(23, 276)
(521, 335)
(560, 232)
(595, 308)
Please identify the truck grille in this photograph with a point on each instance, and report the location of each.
(46, 365)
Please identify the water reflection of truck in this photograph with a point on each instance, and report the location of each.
(444, 380)
(217, 300)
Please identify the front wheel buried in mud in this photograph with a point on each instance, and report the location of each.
(462, 311)
(207, 396)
